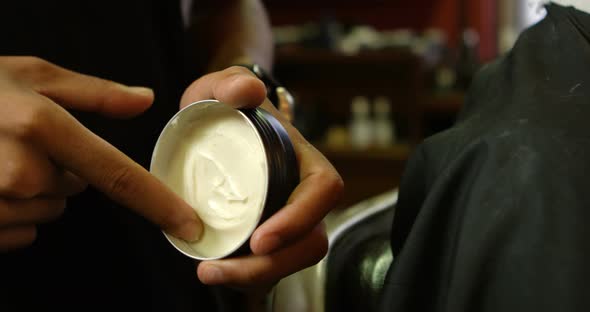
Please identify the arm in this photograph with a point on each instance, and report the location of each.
(231, 32)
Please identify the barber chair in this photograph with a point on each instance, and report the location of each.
(351, 275)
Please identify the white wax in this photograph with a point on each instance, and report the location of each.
(218, 166)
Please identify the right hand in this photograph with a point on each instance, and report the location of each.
(46, 155)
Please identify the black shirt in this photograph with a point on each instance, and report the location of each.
(493, 214)
(100, 256)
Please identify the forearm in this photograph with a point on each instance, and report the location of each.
(232, 32)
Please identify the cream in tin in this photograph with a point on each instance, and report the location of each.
(222, 161)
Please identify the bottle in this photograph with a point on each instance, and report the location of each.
(383, 125)
(360, 123)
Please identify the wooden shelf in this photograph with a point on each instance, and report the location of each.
(325, 82)
(322, 57)
(372, 72)
(399, 152)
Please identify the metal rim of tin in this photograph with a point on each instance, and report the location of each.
(283, 172)
(281, 169)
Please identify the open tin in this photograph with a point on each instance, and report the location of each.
(273, 177)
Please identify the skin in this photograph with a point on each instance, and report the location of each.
(40, 144)
(294, 238)
(231, 32)
(238, 32)
(46, 155)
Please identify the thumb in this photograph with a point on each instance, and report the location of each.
(77, 91)
(236, 86)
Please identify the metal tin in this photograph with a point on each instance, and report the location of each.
(281, 164)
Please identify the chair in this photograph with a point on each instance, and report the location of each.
(351, 275)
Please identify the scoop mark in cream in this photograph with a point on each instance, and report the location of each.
(222, 181)
(223, 185)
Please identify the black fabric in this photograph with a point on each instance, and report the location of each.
(493, 214)
(100, 256)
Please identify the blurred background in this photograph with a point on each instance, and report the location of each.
(373, 78)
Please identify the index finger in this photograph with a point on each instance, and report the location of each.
(77, 149)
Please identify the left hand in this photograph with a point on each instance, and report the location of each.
(293, 238)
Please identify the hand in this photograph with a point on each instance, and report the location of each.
(46, 155)
(294, 238)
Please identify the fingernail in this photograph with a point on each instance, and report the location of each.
(143, 91)
(213, 275)
(189, 230)
(268, 244)
(192, 230)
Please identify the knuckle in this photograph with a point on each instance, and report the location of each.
(321, 249)
(333, 182)
(238, 70)
(17, 180)
(41, 69)
(31, 120)
(36, 62)
(338, 184)
(109, 94)
(250, 277)
(317, 247)
(119, 182)
(246, 275)
(31, 68)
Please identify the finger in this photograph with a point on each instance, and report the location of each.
(318, 192)
(64, 184)
(30, 211)
(17, 237)
(88, 156)
(77, 91)
(235, 86)
(26, 173)
(265, 270)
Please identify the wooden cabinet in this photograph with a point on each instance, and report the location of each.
(324, 83)
(330, 80)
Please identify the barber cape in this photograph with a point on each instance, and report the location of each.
(494, 214)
